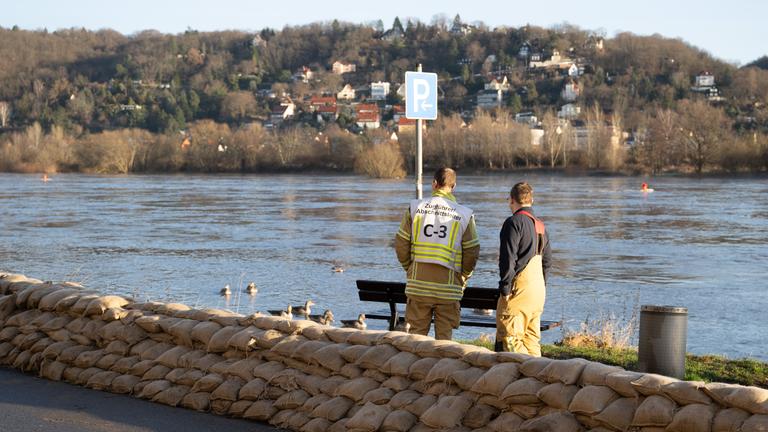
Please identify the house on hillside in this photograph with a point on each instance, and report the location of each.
(489, 99)
(340, 68)
(347, 93)
(280, 113)
(569, 111)
(324, 107)
(379, 90)
(304, 74)
(570, 91)
(393, 34)
(704, 83)
(555, 61)
(498, 84)
(367, 116)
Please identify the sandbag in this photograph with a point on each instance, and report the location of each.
(48, 303)
(421, 405)
(592, 400)
(204, 331)
(757, 423)
(243, 368)
(245, 339)
(652, 384)
(157, 372)
(329, 356)
(141, 367)
(52, 370)
(404, 398)
(654, 411)
(496, 379)
(693, 418)
(506, 422)
(316, 425)
(379, 396)
(124, 364)
(171, 357)
(218, 342)
(522, 391)
(208, 383)
(621, 382)
(197, 401)
(171, 396)
(532, 367)
(292, 400)
(352, 353)
(377, 356)
(208, 361)
(101, 380)
(397, 383)
(686, 392)
(558, 395)
(333, 409)
(479, 415)
(107, 361)
(750, 399)
(182, 332)
(564, 371)
(618, 414)
(261, 411)
(369, 418)
(596, 374)
(421, 368)
(99, 305)
(228, 390)
(556, 422)
(400, 363)
(357, 388)
(124, 384)
(366, 337)
(86, 375)
(729, 420)
(443, 369)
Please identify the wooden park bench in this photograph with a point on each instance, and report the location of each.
(474, 298)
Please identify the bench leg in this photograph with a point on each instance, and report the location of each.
(393, 316)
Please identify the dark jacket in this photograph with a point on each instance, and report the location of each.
(517, 248)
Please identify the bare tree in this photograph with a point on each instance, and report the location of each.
(656, 151)
(555, 137)
(5, 113)
(704, 128)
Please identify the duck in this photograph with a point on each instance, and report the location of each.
(359, 323)
(287, 313)
(305, 309)
(251, 289)
(483, 311)
(325, 319)
(226, 291)
(337, 269)
(402, 326)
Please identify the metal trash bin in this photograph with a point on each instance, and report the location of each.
(663, 338)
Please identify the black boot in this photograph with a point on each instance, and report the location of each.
(499, 347)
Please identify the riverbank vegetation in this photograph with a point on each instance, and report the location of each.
(104, 102)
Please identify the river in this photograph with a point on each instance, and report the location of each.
(696, 243)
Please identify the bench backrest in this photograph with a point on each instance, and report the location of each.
(394, 292)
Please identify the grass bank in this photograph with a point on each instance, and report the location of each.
(708, 368)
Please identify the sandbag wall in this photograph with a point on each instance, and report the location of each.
(302, 376)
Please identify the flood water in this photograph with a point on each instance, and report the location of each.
(696, 243)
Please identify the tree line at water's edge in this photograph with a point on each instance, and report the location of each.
(66, 101)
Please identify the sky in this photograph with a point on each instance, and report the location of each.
(733, 31)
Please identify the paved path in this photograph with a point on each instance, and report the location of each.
(29, 404)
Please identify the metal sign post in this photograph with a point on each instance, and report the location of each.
(420, 104)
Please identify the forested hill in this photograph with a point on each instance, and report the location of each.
(84, 81)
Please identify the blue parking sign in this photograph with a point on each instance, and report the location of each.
(421, 95)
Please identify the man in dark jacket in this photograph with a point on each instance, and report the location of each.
(524, 259)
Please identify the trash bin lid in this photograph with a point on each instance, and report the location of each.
(664, 309)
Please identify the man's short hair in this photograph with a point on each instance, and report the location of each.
(445, 177)
(522, 193)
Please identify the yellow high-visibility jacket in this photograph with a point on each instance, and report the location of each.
(438, 247)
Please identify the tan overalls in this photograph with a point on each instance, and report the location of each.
(518, 315)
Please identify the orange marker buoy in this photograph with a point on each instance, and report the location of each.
(45, 178)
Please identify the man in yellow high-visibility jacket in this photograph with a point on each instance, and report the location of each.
(438, 247)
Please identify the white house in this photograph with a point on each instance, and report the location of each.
(490, 98)
(570, 91)
(526, 118)
(340, 68)
(379, 90)
(282, 112)
(568, 111)
(304, 74)
(704, 80)
(347, 93)
(498, 84)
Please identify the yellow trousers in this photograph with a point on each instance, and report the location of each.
(419, 312)
(518, 316)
